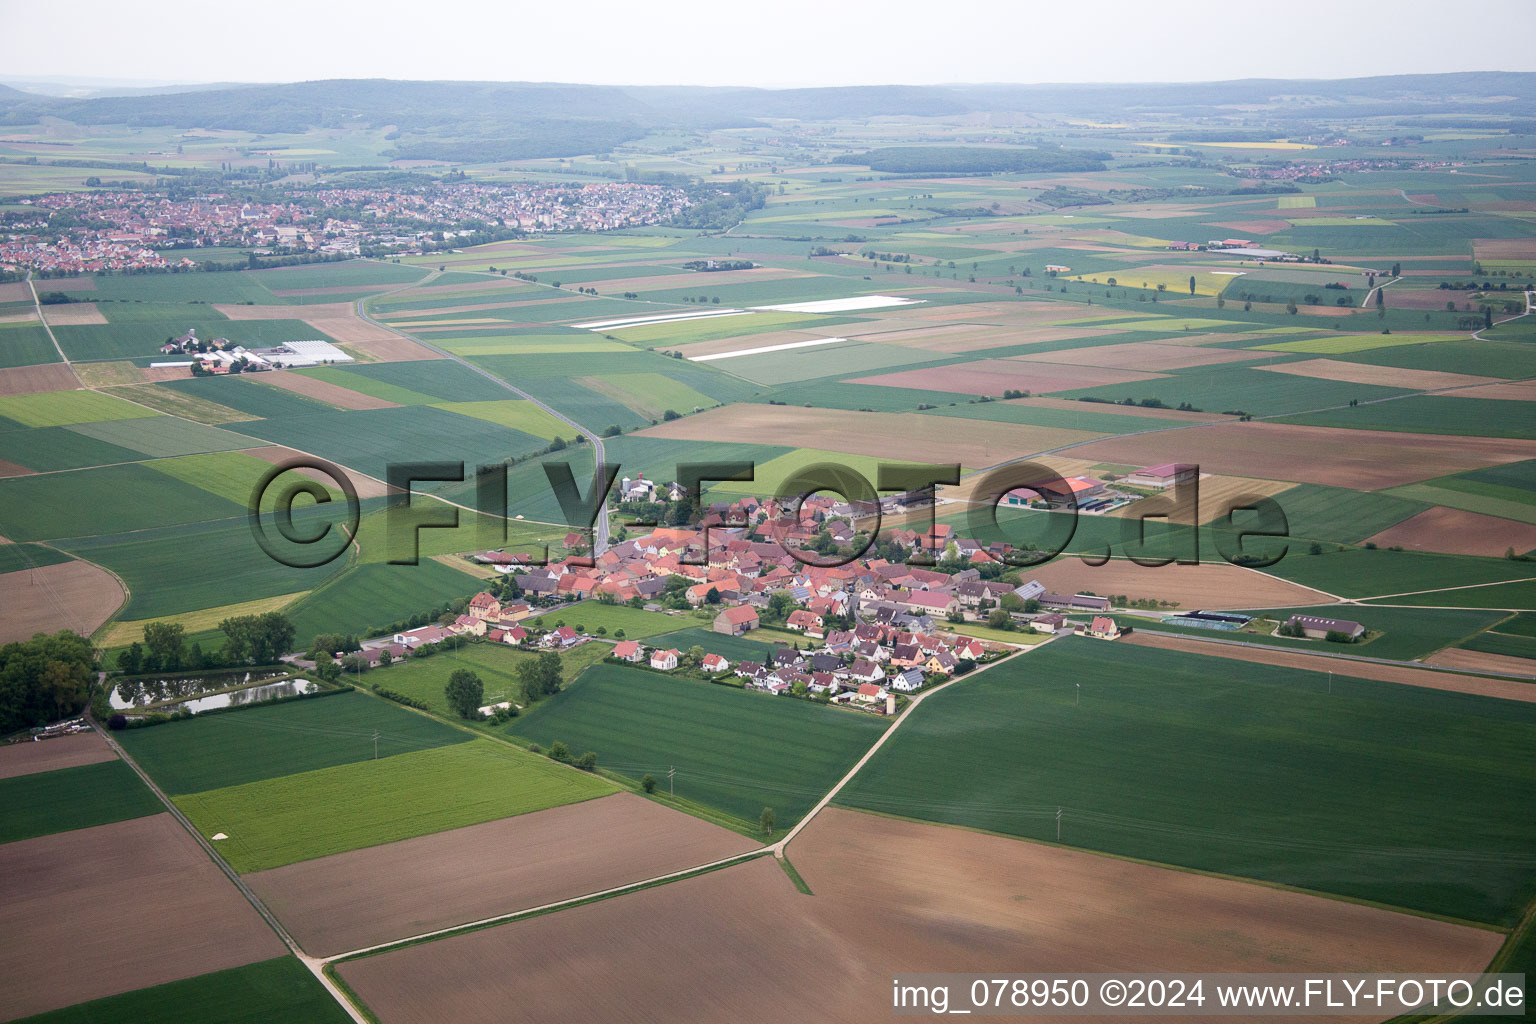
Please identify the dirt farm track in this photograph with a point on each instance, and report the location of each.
(977, 903)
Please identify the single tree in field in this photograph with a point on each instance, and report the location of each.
(1191, 284)
(588, 761)
(464, 692)
(559, 751)
(767, 820)
(648, 782)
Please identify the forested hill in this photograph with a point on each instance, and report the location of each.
(509, 120)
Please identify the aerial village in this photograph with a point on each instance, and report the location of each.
(859, 635)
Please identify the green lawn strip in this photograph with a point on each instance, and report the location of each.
(60, 801)
(794, 876)
(368, 803)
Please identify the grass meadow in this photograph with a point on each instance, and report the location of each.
(365, 803)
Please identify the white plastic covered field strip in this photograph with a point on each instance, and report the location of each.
(763, 349)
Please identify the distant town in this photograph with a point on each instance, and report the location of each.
(132, 231)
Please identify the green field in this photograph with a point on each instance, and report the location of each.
(90, 502)
(1429, 414)
(28, 556)
(636, 624)
(70, 798)
(1174, 758)
(253, 744)
(61, 408)
(369, 440)
(46, 449)
(232, 475)
(734, 751)
(1342, 516)
(1359, 572)
(514, 413)
(1507, 644)
(271, 990)
(651, 395)
(165, 436)
(732, 648)
(165, 576)
(25, 345)
(368, 598)
(495, 664)
(366, 803)
(1519, 595)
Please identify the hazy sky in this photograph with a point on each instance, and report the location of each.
(779, 43)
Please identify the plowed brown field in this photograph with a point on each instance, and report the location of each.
(1360, 459)
(66, 595)
(741, 944)
(369, 896)
(51, 755)
(62, 896)
(1459, 533)
(897, 436)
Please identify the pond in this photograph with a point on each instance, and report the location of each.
(244, 695)
(129, 694)
(250, 695)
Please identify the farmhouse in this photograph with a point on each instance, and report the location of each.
(735, 621)
(715, 663)
(628, 650)
(804, 621)
(1316, 627)
(1103, 628)
(665, 661)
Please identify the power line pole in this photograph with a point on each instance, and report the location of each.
(671, 771)
(1058, 824)
(1079, 693)
(375, 744)
(1330, 682)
